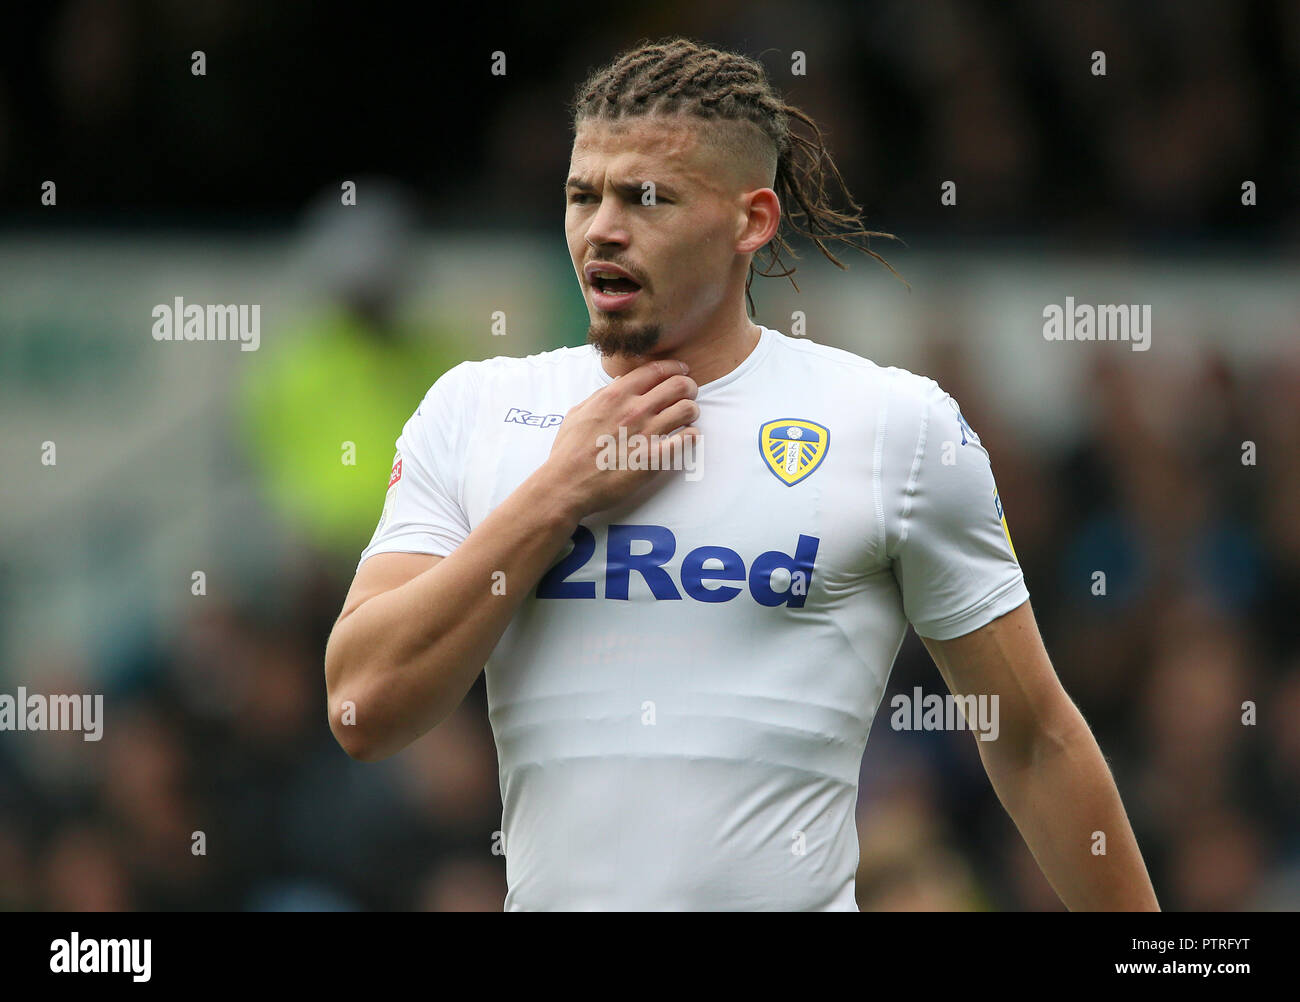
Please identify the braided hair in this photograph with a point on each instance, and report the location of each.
(680, 76)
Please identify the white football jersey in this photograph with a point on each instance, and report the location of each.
(681, 705)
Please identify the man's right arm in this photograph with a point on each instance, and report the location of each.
(416, 629)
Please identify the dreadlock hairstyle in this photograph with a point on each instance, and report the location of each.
(680, 76)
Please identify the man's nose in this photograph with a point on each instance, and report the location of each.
(607, 225)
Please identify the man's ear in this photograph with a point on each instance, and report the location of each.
(760, 222)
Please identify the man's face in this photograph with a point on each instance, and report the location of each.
(677, 247)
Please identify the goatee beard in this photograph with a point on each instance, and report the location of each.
(613, 338)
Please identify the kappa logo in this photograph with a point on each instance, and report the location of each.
(793, 448)
(517, 415)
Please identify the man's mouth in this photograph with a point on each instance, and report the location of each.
(611, 287)
(613, 284)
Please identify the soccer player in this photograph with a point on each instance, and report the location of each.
(683, 664)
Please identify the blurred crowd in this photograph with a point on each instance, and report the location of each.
(1187, 667)
(999, 97)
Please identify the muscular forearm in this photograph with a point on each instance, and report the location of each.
(412, 639)
(1060, 794)
(405, 658)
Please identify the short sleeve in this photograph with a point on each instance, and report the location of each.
(946, 533)
(422, 510)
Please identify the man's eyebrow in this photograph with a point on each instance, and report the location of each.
(625, 187)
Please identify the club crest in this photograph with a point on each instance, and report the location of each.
(792, 448)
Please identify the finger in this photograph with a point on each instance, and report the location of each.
(672, 417)
(667, 393)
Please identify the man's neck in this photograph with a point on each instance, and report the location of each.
(709, 358)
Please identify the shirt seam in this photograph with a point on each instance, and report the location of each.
(877, 476)
(910, 489)
(464, 454)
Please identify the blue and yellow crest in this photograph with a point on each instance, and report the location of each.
(792, 448)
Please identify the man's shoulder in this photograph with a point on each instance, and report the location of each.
(891, 384)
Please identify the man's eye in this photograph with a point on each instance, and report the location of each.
(579, 198)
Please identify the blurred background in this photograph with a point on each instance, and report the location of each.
(179, 522)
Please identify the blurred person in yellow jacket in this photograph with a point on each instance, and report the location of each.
(321, 399)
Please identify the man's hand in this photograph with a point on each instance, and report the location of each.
(657, 398)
